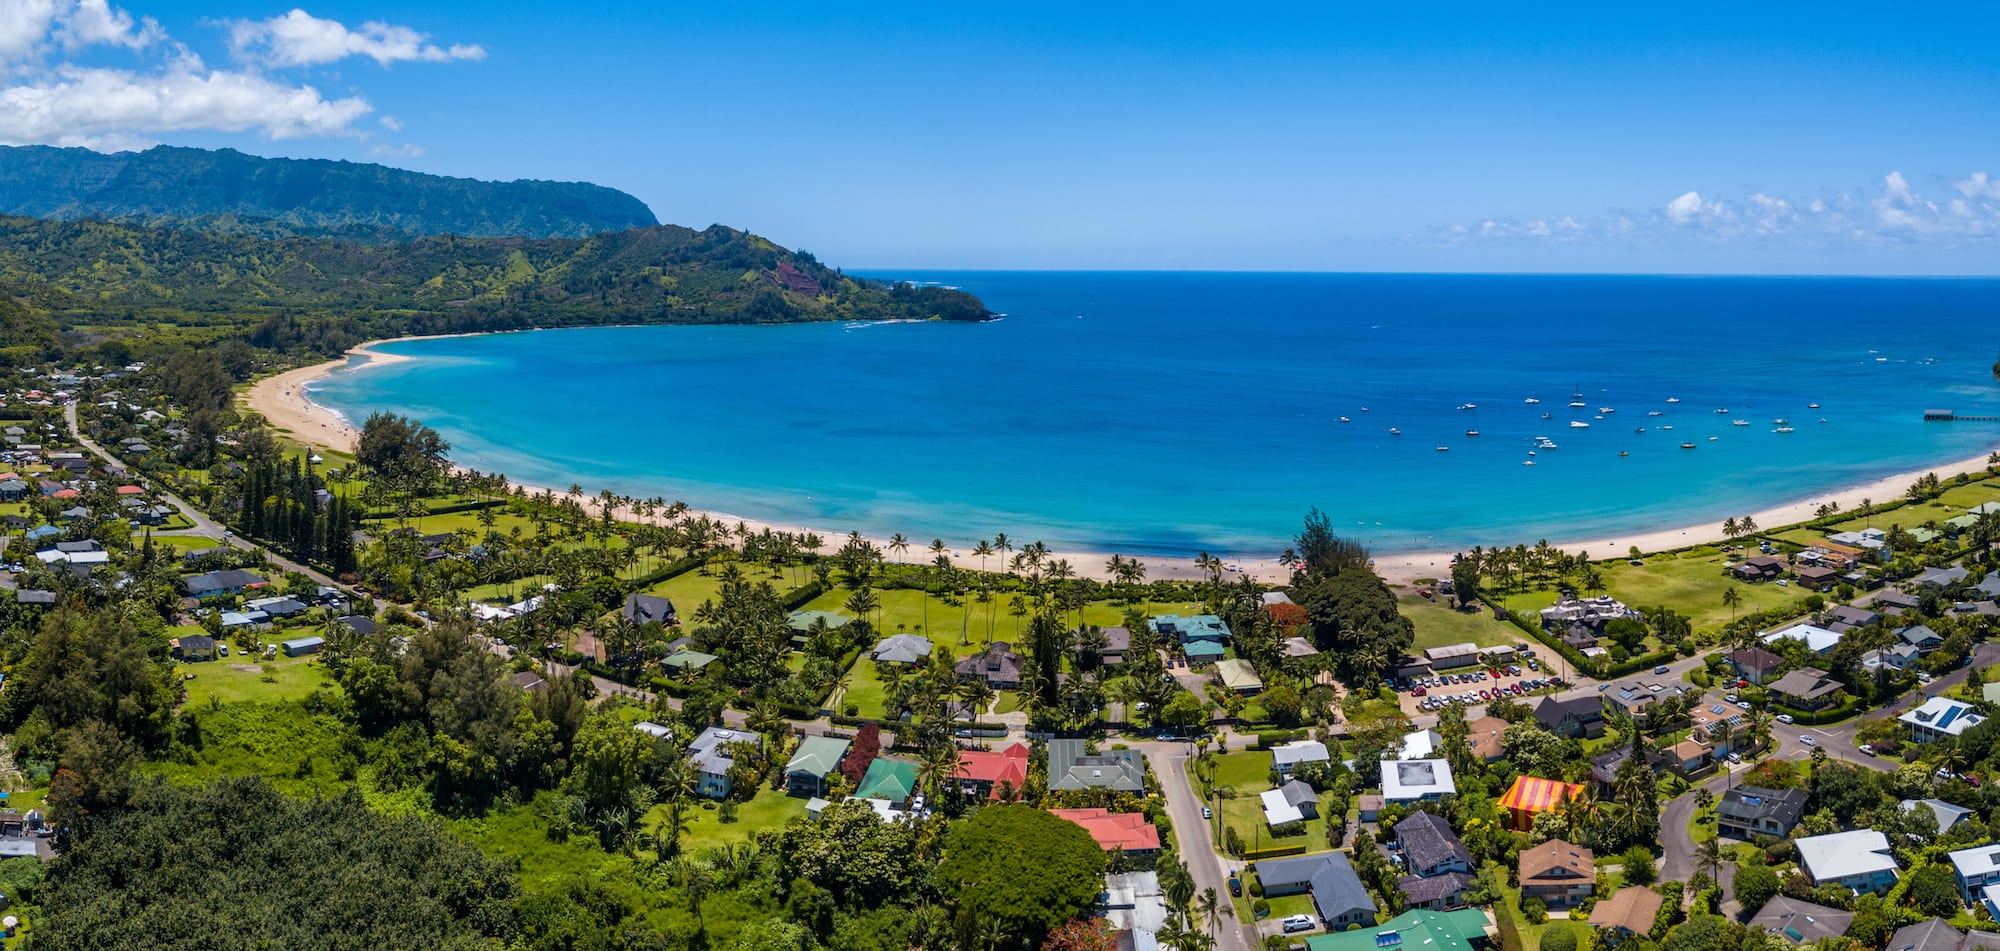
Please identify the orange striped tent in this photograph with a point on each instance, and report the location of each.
(1530, 795)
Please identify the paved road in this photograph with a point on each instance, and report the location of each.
(203, 525)
(1170, 764)
(1676, 842)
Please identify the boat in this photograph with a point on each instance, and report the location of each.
(1742, 422)
(1812, 406)
(1468, 406)
(1548, 415)
(1531, 452)
(1346, 420)
(1668, 426)
(1364, 409)
(1687, 445)
(1606, 409)
(1527, 462)
(1781, 422)
(1578, 424)
(1654, 413)
(1472, 432)
(1822, 419)
(1724, 410)
(1782, 429)
(1393, 431)
(1544, 442)
(1713, 438)
(1577, 404)
(1444, 448)
(1531, 401)
(1623, 452)
(1638, 429)
(1673, 399)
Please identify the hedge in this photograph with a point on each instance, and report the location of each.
(804, 595)
(1271, 738)
(1273, 851)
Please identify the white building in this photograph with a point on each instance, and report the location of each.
(1416, 780)
(1423, 744)
(1817, 639)
(1939, 718)
(1859, 860)
(1287, 756)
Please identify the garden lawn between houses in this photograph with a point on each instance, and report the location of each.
(235, 679)
(1691, 583)
(964, 627)
(1439, 624)
(768, 811)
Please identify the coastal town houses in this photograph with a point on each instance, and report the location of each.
(1586, 616)
(992, 774)
(997, 665)
(1807, 688)
(1405, 781)
(712, 756)
(1286, 757)
(649, 609)
(1558, 873)
(1329, 877)
(1938, 934)
(1530, 796)
(1757, 570)
(1817, 639)
(1977, 870)
(1801, 923)
(1577, 717)
(1629, 911)
(1437, 866)
(1755, 664)
(1290, 803)
(1415, 930)
(1135, 907)
(1072, 767)
(1946, 814)
(1858, 860)
(1746, 812)
(1126, 832)
(1940, 718)
(815, 759)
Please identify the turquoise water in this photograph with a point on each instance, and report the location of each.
(1168, 413)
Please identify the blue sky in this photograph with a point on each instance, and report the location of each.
(1732, 138)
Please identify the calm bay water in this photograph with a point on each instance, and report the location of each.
(1167, 413)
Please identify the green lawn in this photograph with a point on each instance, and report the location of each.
(1691, 583)
(768, 811)
(1439, 624)
(230, 680)
(1247, 772)
(1245, 814)
(964, 627)
(865, 690)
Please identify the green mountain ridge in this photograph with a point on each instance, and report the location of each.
(322, 294)
(225, 189)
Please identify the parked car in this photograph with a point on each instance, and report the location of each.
(1731, 698)
(1786, 718)
(1235, 886)
(1734, 758)
(1603, 687)
(1660, 669)
(1807, 740)
(1207, 813)
(1294, 923)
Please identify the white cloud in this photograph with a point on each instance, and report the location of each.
(391, 123)
(300, 39)
(96, 22)
(1894, 213)
(24, 26)
(397, 151)
(80, 106)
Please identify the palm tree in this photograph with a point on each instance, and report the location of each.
(1708, 855)
(1208, 906)
(1731, 598)
(938, 765)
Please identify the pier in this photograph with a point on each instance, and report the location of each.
(1947, 416)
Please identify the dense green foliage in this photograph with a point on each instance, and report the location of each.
(228, 190)
(1022, 867)
(237, 865)
(317, 295)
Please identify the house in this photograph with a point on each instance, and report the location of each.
(1755, 664)
(1628, 912)
(1947, 814)
(1529, 796)
(1940, 718)
(299, 647)
(1938, 934)
(1577, 717)
(1337, 893)
(1271, 599)
(276, 607)
(1898, 656)
(30, 596)
(530, 681)
(993, 774)
(1415, 930)
(1416, 780)
(363, 626)
(1558, 873)
(1895, 603)
(1921, 637)
(1484, 735)
(1117, 643)
(1188, 630)
(686, 660)
(1940, 578)
(803, 622)
(1134, 904)
(1293, 802)
(1636, 697)
(1583, 618)
(193, 647)
(1851, 616)
(998, 665)
(1072, 767)
(1202, 653)
(1429, 847)
(231, 620)
(1801, 922)
(654, 730)
(1287, 756)
(1859, 860)
(1807, 688)
(710, 753)
(1689, 757)
(1817, 639)
(901, 649)
(1747, 812)
(1452, 655)
(229, 581)
(1292, 647)
(1237, 675)
(14, 490)
(1422, 744)
(1758, 570)
(649, 609)
(1817, 578)
(1870, 539)
(1977, 869)
(817, 756)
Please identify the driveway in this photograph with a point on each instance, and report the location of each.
(1209, 869)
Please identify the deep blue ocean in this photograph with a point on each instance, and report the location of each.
(1164, 413)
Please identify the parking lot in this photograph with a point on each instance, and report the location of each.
(1475, 685)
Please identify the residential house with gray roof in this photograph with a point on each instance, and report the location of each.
(1071, 766)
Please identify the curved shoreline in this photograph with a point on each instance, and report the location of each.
(285, 401)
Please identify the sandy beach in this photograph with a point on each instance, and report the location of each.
(283, 400)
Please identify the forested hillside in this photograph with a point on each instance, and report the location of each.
(228, 190)
(324, 295)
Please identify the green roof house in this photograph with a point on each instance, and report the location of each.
(817, 756)
(893, 780)
(1237, 674)
(803, 621)
(1419, 930)
(687, 660)
(1203, 652)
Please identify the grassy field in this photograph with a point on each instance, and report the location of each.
(1247, 772)
(229, 681)
(1691, 583)
(964, 627)
(769, 810)
(865, 690)
(1439, 624)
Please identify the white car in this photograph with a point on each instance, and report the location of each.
(1785, 718)
(1298, 923)
(1807, 740)
(1731, 698)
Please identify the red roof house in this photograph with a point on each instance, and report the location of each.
(1115, 830)
(130, 490)
(988, 772)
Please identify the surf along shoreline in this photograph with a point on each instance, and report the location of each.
(284, 400)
